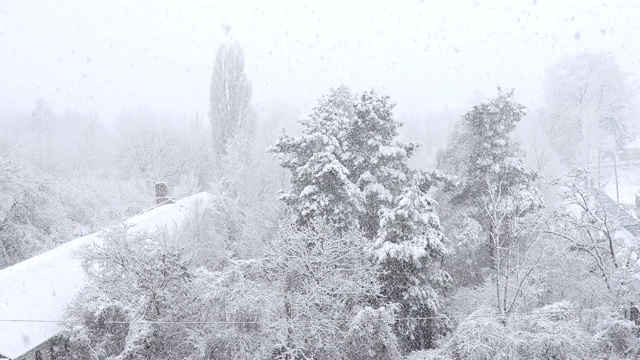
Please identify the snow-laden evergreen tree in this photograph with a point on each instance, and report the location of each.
(410, 247)
(496, 164)
(348, 170)
(497, 190)
(379, 163)
(346, 166)
(322, 185)
(497, 181)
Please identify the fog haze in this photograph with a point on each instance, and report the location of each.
(109, 56)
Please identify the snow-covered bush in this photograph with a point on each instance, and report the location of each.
(326, 281)
(554, 332)
(138, 286)
(617, 336)
(240, 310)
(483, 337)
(558, 331)
(370, 336)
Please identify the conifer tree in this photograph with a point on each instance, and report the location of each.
(497, 190)
(410, 247)
(348, 170)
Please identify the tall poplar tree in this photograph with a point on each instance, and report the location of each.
(230, 97)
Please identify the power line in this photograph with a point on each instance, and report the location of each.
(182, 322)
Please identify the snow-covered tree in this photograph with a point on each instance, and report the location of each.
(410, 247)
(310, 296)
(454, 158)
(137, 292)
(379, 163)
(152, 151)
(245, 206)
(370, 336)
(495, 163)
(328, 288)
(239, 313)
(497, 190)
(322, 185)
(346, 166)
(590, 224)
(587, 99)
(42, 122)
(348, 170)
(32, 218)
(230, 97)
(42, 115)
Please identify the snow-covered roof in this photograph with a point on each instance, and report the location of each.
(42, 287)
(635, 144)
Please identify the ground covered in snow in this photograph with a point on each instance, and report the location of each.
(628, 183)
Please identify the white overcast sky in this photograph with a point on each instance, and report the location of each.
(108, 55)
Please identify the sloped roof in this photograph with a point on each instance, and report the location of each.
(42, 287)
(634, 144)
